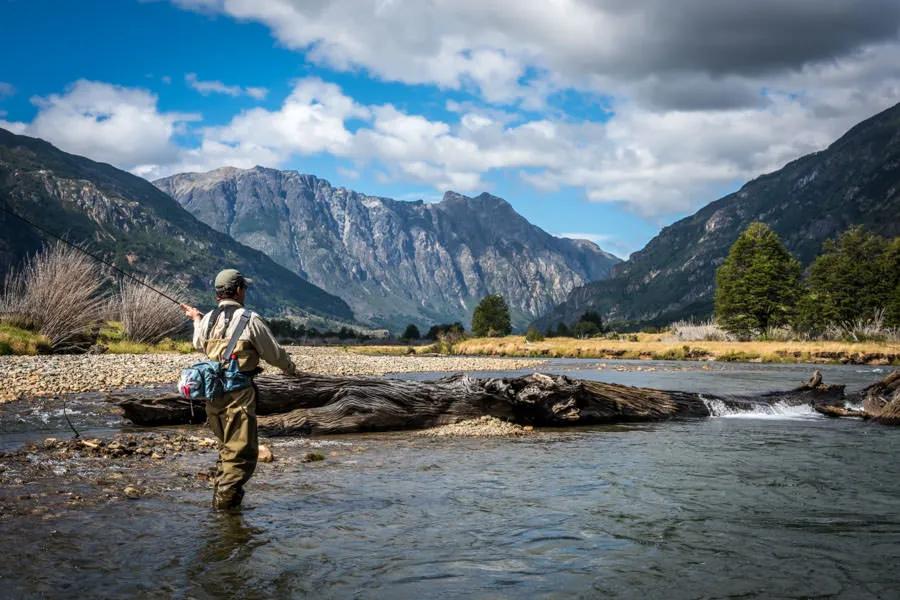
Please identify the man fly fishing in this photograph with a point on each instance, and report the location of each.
(233, 333)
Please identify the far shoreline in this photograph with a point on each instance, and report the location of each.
(645, 346)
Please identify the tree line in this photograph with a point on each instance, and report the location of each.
(761, 286)
(491, 318)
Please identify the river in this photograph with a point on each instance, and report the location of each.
(750, 505)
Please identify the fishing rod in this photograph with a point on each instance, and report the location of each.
(5, 207)
(8, 210)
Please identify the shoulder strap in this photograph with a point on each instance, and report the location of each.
(212, 321)
(238, 330)
(228, 311)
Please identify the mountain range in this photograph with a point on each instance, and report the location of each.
(855, 181)
(316, 249)
(394, 262)
(136, 226)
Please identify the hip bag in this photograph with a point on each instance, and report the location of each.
(211, 379)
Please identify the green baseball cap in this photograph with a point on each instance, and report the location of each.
(231, 278)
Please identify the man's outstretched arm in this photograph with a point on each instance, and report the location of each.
(196, 316)
(268, 347)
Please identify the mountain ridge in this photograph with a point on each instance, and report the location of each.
(854, 181)
(135, 225)
(393, 261)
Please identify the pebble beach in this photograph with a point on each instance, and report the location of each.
(41, 376)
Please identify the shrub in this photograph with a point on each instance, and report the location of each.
(592, 317)
(491, 317)
(864, 330)
(562, 330)
(705, 331)
(534, 335)
(585, 329)
(411, 333)
(285, 330)
(437, 331)
(147, 317)
(56, 293)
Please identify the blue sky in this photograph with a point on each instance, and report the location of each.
(583, 132)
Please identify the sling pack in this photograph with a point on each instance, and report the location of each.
(211, 379)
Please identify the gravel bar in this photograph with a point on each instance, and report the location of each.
(41, 376)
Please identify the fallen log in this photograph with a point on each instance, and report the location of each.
(321, 404)
(881, 400)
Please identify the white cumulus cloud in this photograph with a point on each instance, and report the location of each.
(106, 122)
(207, 87)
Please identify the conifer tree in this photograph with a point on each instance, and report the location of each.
(852, 279)
(562, 330)
(491, 317)
(891, 267)
(411, 333)
(758, 284)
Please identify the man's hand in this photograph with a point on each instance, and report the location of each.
(191, 313)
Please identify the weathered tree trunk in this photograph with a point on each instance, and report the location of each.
(323, 404)
(881, 401)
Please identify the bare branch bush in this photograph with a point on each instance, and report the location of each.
(12, 301)
(704, 331)
(146, 316)
(780, 334)
(58, 294)
(870, 329)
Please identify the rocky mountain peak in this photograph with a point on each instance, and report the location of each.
(394, 262)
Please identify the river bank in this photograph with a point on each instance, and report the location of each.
(48, 375)
(643, 346)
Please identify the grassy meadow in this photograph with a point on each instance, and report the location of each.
(657, 347)
(19, 341)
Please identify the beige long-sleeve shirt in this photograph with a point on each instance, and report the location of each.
(257, 335)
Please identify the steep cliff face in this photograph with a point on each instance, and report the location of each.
(393, 262)
(132, 223)
(855, 181)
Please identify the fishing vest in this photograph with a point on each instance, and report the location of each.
(212, 379)
(245, 354)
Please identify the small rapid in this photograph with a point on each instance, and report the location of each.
(777, 410)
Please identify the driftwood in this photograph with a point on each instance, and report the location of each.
(321, 404)
(881, 400)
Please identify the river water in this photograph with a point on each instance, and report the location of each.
(741, 506)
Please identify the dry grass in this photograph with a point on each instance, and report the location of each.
(654, 346)
(14, 340)
(147, 317)
(113, 337)
(704, 331)
(57, 294)
(395, 350)
(861, 330)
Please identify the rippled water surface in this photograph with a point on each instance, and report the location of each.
(785, 506)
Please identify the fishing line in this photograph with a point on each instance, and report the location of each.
(8, 210)
(66, 415)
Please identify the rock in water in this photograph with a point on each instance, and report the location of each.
(265, 454)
